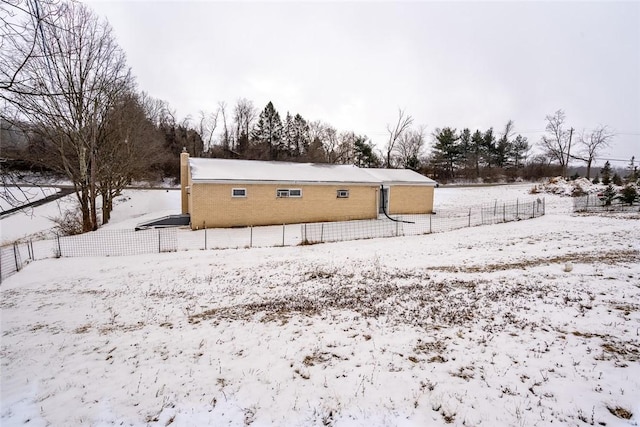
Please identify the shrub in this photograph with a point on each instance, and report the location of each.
(616, 179)
(629, 194)
(69, 223)
(596, 180)
(608, 195)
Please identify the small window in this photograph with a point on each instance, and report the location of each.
(288, 192)
(238, 192)
(343, 194)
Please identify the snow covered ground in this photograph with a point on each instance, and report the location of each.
(526, 323)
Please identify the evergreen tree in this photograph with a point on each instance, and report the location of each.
(476, 151)
(364, 156)
(466, 149)
(633, 170)
(608, 195)
(616, 179)
(268, 130)
(286, 145)
(629, 194)
(300, 136)
(596, 180)
(488, 148)
(606, 173)
(446, 151)
(519, 149)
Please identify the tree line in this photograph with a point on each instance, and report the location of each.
(70, 104)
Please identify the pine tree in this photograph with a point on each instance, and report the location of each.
(633, 170)
(606, 173)
(446, 151)
(596, 180)
(629, 194)
(616, 179)
(608, 195)
(268, 131)
(301, 138)
(364, 156)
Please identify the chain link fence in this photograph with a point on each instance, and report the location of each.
(595, 203)
(411, 225)
(130, 242)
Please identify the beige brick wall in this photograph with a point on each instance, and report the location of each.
(212, 204)
(406, 199)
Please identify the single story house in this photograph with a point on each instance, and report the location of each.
(236, 193)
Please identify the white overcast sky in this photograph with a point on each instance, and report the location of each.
(353, 64)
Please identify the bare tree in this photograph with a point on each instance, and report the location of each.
(558, 144)
(21, 33)
(409, 147)
(244, 115)
(129, 147)
(395, 133)
(592, 144)
(225, 138)
(74, 76)
(207, 124)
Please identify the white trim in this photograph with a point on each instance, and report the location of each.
(283, 193)
(243, 190)
(284, 184)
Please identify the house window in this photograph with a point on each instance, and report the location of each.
(288, 192)
(238, 192)
(343, 194)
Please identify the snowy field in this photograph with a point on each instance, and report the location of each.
(529, 323)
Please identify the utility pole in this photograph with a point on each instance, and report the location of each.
(566, 165)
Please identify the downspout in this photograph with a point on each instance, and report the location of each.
(384, 208)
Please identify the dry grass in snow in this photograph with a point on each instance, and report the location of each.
(481, 326)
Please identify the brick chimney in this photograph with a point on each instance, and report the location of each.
(184, 180)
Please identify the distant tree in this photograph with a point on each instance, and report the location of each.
(446, 151)
(207, 124)
(557, 145)
(409, 147)
(226, 139)
(364, 156)
(244, 114)
(503, 146)
(268, 130)
(592, 144)
(629, 194)
(596, 180)
(608, 195)
(488, 148)
(632, 170)
(300, 136)
(476, 151)
(130, 147)
(606, 173)
(616, 179)
(519, 150)
(403, 124)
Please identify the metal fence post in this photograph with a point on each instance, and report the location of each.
(59, 248)
(159, 242)
(204, 225)
(504, 212)
(15, 256)
(321, 233)
(469, 217)
(517, 206)
(250, 235)
(282, 234)
(430, 216)
(543, 205)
